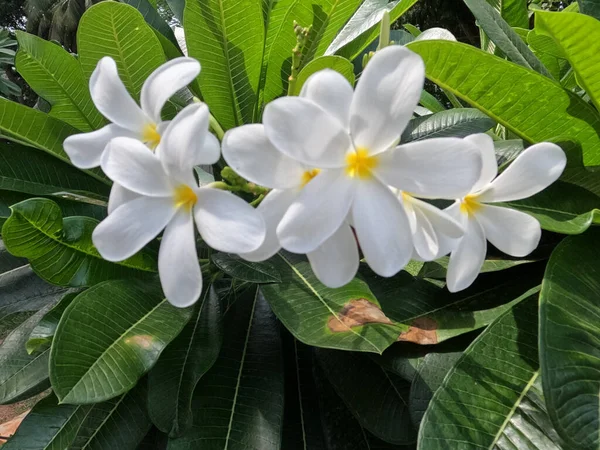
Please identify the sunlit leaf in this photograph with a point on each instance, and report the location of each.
(337, 63)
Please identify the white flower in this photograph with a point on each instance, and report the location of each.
(128, 119)
(351, 139)
(512, 232)
(168, 197)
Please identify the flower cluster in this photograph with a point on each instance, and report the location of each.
(341, 182)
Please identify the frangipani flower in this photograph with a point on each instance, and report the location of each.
(128, 119)
(352, 138)
(512, 232)
(248, 151)
(168, 197)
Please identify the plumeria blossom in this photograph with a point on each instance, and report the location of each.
(512, 232)
(143, 122)
(168, 197)
(341, 146)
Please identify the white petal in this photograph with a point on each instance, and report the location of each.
(272, 209)
(227, 223)
(248, 151)
(164, 82)
(536, 168)
(467, 258)
(183, 144)
(85, 149)
(118, 196)
(434, 168)
(386, 95)
(332, 92)
(305, 132)
(131, 226)
(382, 228)
(424, 236)
(512, 232)
(335, 262)
(489, 168)
(318, 212)
(178, 266)
(131, 164)
(112, 99)
(442, 222)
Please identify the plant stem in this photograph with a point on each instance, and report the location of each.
(216, 127)
(453, 99)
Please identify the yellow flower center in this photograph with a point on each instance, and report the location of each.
(360, 164)
(151, 136)
(309, 175)
(185, 197)
(470, 204)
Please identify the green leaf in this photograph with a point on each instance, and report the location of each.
(589, 7)
(238, 404)
(49, 426)
(120, 423)
(24, 169)
(434, 314)
(377, 399)
(573, 32)
(439, 267)
(153, 18)
(542, 43)
(173, 379)
(458, 122)
(507, 150)
(127, 324)
(302, 425)
(513, 11)
(530, 105)
(119, 31)
(505, 38)
(348, 318)
(42, 334)
(430, 102)
(56, 76)
(490, 395)
(569, 339)
(227, 36)
(362, 36)
(365, 19)
(22, 375)
(253, 272)
(337, 63)
(562, 208)
(61, 250)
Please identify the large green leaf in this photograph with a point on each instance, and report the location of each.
(569, 339)
(434, 314)
(505, 38)
(238, 404)
(363, 27)
(439, 267)
(24, 169)
(21, 374)
(126, 325)
(61, 250)
(49, 426)
(378, 399)
(41, 336)
(172, 381)
(337, 63)
(302, 425)
(490, 396)
(527, 103)
(513, 11)
(348, 318)
(589, 7)
(56, 76)
(227, 37)
(563, 208)
(573, 33)
(252, 272)
(153, 18)
(458, 122)
(119, 31)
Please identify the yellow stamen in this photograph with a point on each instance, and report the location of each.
(151, 136)
(185, 197)
(360, 164)
(469, 204)
(309, 175)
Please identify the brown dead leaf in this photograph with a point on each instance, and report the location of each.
(9, 428)
(356, 313)
(422, 331)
